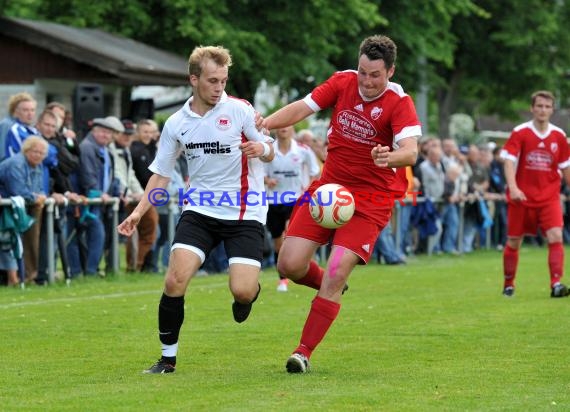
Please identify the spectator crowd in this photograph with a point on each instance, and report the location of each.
(461, 206)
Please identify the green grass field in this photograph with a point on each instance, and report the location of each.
(435, 334)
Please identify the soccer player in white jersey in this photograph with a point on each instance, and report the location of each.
(284, 182)
(534, 155)
(224, 151)
(372, 138)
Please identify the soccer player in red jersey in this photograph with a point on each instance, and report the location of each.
(372, 138)
(534, 155)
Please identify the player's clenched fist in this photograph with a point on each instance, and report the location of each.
(380, 155)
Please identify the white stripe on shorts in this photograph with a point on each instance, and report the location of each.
(194, 249)
(244, 261)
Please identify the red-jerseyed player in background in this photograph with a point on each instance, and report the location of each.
(534, 155)
(372, 138)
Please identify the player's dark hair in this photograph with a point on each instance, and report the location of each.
(542, 93)
(379, 47)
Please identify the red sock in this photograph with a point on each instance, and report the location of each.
(314, 276)
(322, 315)
(510, 263)
(555, 262)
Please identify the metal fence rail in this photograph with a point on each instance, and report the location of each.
(49, 208)
(461, 211)
(50, 205)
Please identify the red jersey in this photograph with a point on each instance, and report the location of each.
(538, 157)
(357, 125)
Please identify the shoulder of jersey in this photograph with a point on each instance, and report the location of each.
(238, 100)
(396, 89)
(345, 73)
(558, 129)
(525, 125)
(303, 146)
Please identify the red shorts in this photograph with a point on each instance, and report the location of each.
(359, 235)
(525, 220)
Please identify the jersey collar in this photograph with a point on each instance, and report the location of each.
(366, 99)
(188, 104)
(538, 133)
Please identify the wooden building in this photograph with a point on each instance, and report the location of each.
(68, 64)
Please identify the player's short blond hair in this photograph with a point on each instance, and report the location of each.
(18, 98)
(201, 54)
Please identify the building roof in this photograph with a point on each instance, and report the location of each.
(133, 62)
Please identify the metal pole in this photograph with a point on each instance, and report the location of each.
(115, 235)
(461, 225)
(488, 233)
(49, 205)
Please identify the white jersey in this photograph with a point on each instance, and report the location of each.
(224, 184)
(289, 170)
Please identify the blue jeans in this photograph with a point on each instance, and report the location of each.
(89, 235)
(404, 227)
(470, 229)
(217, 261)
(161, 248)
(499, 230)
(386, 246)
(450, 222)
(60, 235)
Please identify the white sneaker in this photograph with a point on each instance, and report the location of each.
(297, 363)
(282, 287)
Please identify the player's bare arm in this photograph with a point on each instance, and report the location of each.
(510, 172)
(128, 226)
(405, 155)
(287, 116)
(264, 151)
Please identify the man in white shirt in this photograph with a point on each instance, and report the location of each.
(284, 179)
(224, 153)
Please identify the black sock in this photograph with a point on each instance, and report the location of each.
(171, 360)
(170, 318)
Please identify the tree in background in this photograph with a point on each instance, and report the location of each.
(473, 56)
(483, 56)
(286, 42)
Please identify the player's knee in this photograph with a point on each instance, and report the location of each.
(175, 282)
(554, 235)
(514, 242)
(289, 268)
(244, 295)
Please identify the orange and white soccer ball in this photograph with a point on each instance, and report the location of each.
(332, 205)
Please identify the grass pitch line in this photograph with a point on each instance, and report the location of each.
(98, 297)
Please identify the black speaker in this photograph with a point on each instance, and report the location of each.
(87, 105)
(141, 109)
